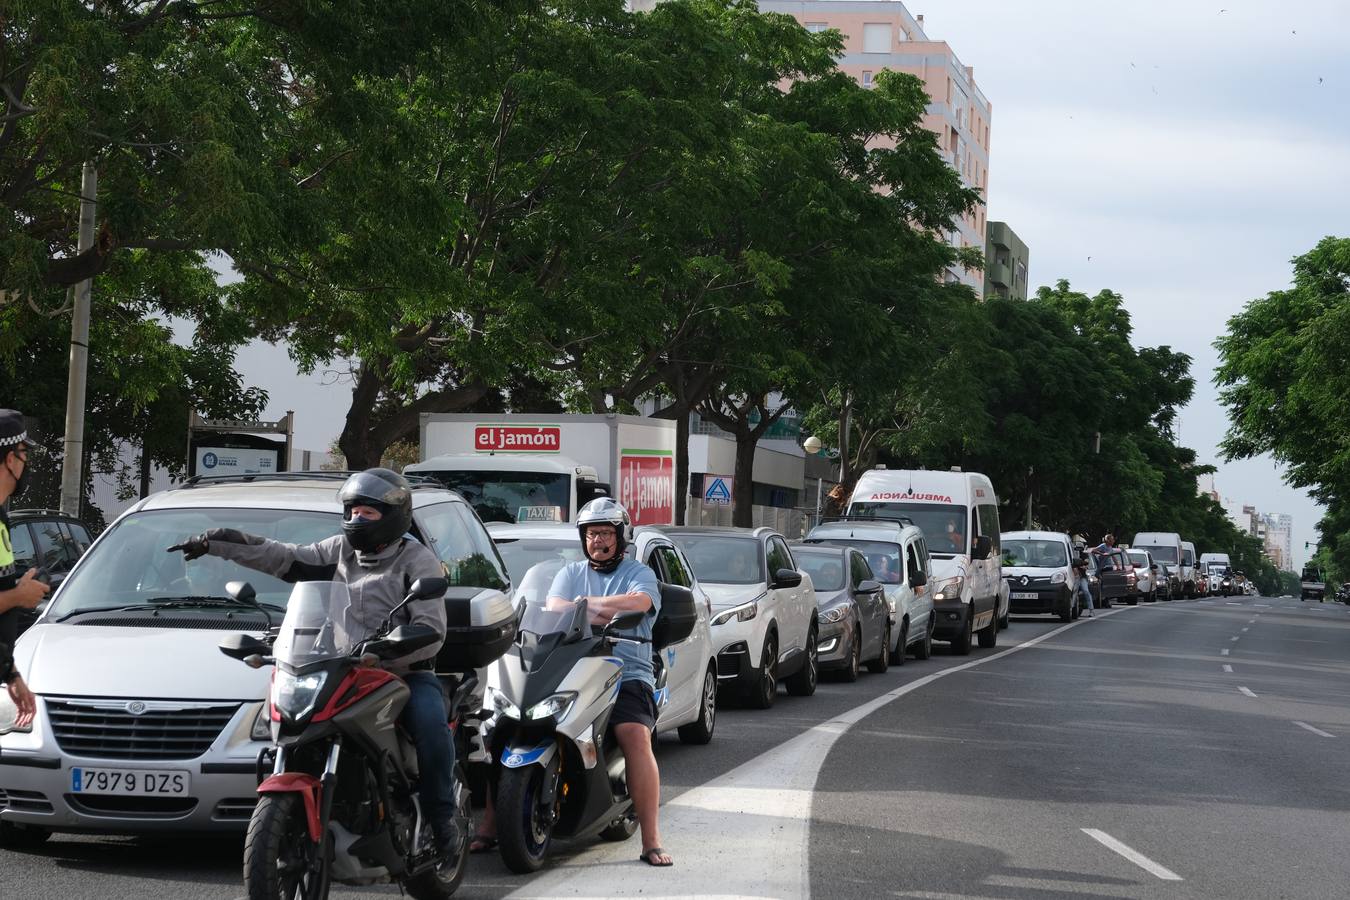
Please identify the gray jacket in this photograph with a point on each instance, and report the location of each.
(377, 581)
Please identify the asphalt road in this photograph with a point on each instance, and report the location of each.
(1115, 757)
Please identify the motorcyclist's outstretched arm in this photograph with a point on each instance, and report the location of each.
(289, 562)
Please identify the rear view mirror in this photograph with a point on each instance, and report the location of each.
(787, 578)
(403, 640)
(918, 579)
(984, 545)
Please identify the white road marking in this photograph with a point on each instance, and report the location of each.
(1247, 629)
(1132, 855)
(1247, 691)
(1223, 652)
(1233, 603)
(1314, 730)
(1227, 668)
(765, 802)
(1263, 606)
(1233, 638)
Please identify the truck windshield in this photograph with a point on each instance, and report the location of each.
(512, 496)
(1162, 554)
(944, 527)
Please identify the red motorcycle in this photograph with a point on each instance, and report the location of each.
(341, 803)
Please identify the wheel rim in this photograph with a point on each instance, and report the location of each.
(770, 677)
(812, 657)
(539, 829)
(709, 700)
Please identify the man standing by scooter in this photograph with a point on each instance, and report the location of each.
(613, 584)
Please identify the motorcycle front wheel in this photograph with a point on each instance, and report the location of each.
(524, 825)
(280, 860)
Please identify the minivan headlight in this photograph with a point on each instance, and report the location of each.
(1058, 578)
(949, 588)
(295, 695)
(743, 613)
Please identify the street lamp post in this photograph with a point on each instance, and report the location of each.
(812, 446)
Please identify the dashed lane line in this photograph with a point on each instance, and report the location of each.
(1227, 668)
(1317, 731)
(1247, 691)
(1156, 869)
(1223, 652)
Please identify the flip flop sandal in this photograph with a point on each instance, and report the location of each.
(647, 857)
(482, 843)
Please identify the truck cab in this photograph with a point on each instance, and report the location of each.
(517, 488)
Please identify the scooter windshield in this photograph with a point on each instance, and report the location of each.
(318, 624)
(543, 615)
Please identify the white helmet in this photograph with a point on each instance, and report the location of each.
(606, 511)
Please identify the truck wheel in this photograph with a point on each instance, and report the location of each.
(961, 644)
(989, 633)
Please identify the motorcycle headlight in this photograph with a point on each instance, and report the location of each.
(834, 614)
(1058, 578)
(499, 703)
(262, 724)
(295, 695)
(556, 707)
(743, 613)
(949, 588)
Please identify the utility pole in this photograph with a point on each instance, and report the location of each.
(1031, 470)
(72, 464)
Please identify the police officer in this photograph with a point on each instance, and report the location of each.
(18, 590)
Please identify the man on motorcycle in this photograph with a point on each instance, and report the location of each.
(378, 561)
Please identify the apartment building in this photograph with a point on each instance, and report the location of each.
(1006, 260)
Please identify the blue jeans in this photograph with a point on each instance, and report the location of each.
(425, 719)
(1086, 591)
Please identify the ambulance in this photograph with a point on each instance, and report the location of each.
(958, 513)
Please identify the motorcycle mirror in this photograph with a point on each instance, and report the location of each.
(426, 588)
(242, 646)
(241, 591)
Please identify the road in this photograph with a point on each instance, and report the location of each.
(1188, 749)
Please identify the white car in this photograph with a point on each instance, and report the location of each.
(898, 555)
(687, 700)
(1038, 568)
(764, 623)
(1145, 573)
(142, 723)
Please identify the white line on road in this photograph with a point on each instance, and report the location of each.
(1223, 652)
(1233, 638)
(1233, 603)
(1247, 629)
(1247, 691)
(1227, 668)
(1132, 855)
(1263, 606)
(1314, 730)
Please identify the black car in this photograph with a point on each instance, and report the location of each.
(1112, 577)
(48, 540)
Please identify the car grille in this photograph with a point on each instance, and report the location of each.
(142, 807)
(24, 801)
(1015, 582)
(105, 731)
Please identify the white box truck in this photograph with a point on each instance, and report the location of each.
(533, 468)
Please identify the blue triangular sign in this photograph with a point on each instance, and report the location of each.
(718, 490)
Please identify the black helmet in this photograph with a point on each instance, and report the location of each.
(385, 490)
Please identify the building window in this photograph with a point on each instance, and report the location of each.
(816, 27)
(876, 38)
(867, 79)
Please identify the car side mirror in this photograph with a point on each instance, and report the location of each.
(984, 545)
(787, 578)
(918, 579)
(868, 586)
(241, 591)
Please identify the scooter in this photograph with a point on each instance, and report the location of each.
(560, 771)
(341, 803)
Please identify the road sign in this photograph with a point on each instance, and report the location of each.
(717, 489)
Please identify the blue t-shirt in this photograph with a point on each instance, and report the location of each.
(578, 579)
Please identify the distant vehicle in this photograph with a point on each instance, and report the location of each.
(1313, 584)
(1146, 574)
(1190, 575)
(45, 539)
(958, 513)
(1215, 569)
(1113, 577)
(1166, 547)
(855, 617)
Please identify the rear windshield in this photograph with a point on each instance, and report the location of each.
(722, 559)
(1162, 554)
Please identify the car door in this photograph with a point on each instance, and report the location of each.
(684, 664)
(920, 598)
(873, 610)
(792, 613)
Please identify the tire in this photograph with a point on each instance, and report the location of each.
(1067, 615)
(961, 646)
(765, 689)
(989, 633)
(442, 882)
(1007, 618)
(701, 731)
(621, 830)
(879, 665)
(803, 684)
(522, 833)
(278, 841)
(925, 648)
(849, 673)
(14, 836)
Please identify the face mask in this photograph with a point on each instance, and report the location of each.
(20, 481)
(951, 528)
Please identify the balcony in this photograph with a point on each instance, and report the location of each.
(998, 274)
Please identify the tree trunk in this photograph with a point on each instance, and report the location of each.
(145, 472)
(681, 464)
(742, 513)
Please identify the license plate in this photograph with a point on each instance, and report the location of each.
(1023, 595)
(130, 782)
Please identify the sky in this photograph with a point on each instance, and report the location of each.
(1179, 153)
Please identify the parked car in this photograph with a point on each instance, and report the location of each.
(1113, 577)
(764, 623)
(686, 670)
(45, 539)
(1037, 566)
(1146, 576)
(127, 671)
(854, 614)
(898, 556)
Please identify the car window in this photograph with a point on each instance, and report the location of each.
(861, 570)
(719, 559)
(911, 560)
(826, 569)
(675, 570)
(79, 535)
(55, 550)
(988, 518)
(25, 557)
(778, 556)
(463, 545)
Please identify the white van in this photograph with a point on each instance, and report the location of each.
(1167, 550)
(1191, 584)
(1214, 567)
(958, 513)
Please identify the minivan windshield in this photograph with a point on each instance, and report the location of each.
(1162, 554)
(129, 565)
(511, 496)
(1035, 554)
(946, 528)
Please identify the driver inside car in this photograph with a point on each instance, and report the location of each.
(378, 561)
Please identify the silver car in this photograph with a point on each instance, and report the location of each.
(142, 724)
(855, 616)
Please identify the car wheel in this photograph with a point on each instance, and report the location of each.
(701, 731)
(1007, 618)
(879, 665)
(19, 837)
(803, 684)
(1067, 615)
(961, 645)
(765, 689)
(925, 648)
(989, 633)
(849, 673)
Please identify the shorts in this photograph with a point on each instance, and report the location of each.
(635, 703)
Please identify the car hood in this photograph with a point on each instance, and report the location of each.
(827, 599)
(1032, 571)
(725, 596)
(148, 663)
(950, 568)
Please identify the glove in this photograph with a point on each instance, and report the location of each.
(193, 547)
